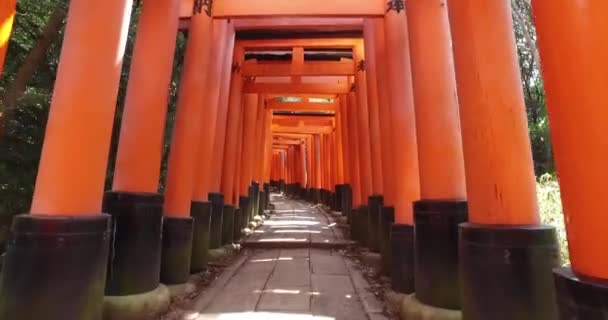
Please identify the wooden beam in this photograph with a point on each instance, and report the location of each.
(306, 129)
(304, 97)
(334, 43)
(298, 88)
(252, 68)
(300, 106)
(228, 9)
(282, 23)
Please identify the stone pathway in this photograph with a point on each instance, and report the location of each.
(297, 224)
(291, 283)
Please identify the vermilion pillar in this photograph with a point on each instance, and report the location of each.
(365, 157)
(371, 74)
(386, 151)
(572, 39)
(499, 173)
(65, 216)
(353, 129)
(240, 200)
(406, 182)
(346, 196)
(138, 162)
(183, 162)
(317, 168)
(442, 180)
(249, 124)
(235, 107)
(7, 15)
(217, 162)
(207, 222)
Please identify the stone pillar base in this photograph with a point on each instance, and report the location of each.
(217, 218)
(436, 240)
(579, 297)
(55, 267)
(402, 258)
(148, 305)
(201, 237)
(177, 250)
(506, 272)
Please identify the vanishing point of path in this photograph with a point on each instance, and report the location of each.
(298, 276)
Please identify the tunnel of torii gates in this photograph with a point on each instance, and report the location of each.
(407, 116)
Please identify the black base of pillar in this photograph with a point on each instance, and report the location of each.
(347, 202)
(580, 298)
(135, 253)
(177, 250)
(402, 258)
(363, 226)
(254, 195)
(262, 203)
(245, 218)
(239, 217)
(282, 186)
(387, 218)
(55, 267)
(228, 224)
(201, 237)
(217, 217)
(337, 203)
(266, 187)
(436, 240)
(375, 203)
(316, 195)
(506, 272)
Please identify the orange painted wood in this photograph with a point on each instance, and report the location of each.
(318, 181)
(440, 151)
(217, 164)
(572, 40)
(371, 67)
(249, 142)
(498, 161)
(258, 147)
(303, 129)
(301, 106)
(346, 155)
(339, 149)
(384, 112)
(74, 158)
(267, 144)
(315, 68)
(282, 23)
(232, 128)
(186, 7)
(139, 154)
(316, 43)
(238, 174)
(365, 157)
(186, 133)
(298, 8)
(353, 128)
(405, 173)
(7, 16)
(209, 116)
(297, 88)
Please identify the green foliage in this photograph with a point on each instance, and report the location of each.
(551, 212)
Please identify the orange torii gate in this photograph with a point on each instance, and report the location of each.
(430, 120)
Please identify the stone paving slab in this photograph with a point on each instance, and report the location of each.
(290, 283)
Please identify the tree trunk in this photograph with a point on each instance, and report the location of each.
(32, 61)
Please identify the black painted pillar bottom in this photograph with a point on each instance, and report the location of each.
(363, 225)
(375, 203)
(245, 217)
(282, 186)
(228, 224)
(316, 195)
(135, 251)
(506, 272)
(580, 297)
(347, 202)
(402, 258)
(55, 267)
(177, 250)
(262, 203)
(239, 216)
(266, 187)
(217, 217)
(387, 218)
(337, 203)
(201, 212)
(436, 247)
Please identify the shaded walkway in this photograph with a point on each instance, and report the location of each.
(291, 283)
